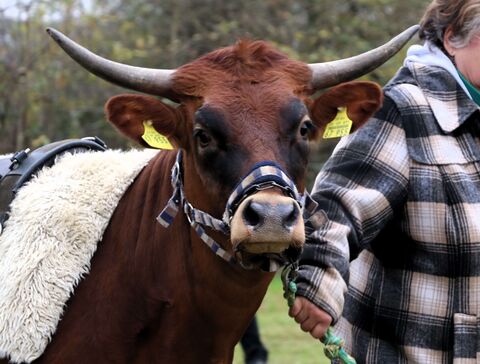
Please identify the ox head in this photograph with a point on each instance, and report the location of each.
(240, 106)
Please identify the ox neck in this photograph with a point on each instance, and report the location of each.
(263, 175)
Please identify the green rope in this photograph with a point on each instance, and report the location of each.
(333, 344)
(334, 348)
(289, 274)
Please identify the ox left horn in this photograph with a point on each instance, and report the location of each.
(332, 73)
(147, 80)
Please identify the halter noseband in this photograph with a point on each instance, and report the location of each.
(263, 175)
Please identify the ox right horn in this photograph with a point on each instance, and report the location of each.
(329, 74)
(148, 80)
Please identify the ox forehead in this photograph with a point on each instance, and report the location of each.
(241, 106)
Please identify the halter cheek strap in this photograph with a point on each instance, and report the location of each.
(263, 175)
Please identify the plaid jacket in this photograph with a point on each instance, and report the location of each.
(401, 201)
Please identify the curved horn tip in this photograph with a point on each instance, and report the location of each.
(410, 31)
(52, 32)
(55, 34)
(414, 28)
(328, 74)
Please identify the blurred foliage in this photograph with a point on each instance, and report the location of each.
(45, 96)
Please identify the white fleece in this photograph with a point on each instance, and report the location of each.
(56, 221)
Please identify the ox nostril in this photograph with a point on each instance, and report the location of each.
(254, 214)
(289, 213)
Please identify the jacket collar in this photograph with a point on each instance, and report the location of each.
(448, 101)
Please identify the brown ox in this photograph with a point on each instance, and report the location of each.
(159, 295)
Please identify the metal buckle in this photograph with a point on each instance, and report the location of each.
(18, 158)
(188, 209)
(270, 184)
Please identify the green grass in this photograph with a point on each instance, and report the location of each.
(285, 341)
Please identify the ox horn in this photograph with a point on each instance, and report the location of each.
(329, 74)
(147, 80)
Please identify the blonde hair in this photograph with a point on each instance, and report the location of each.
(461, 16)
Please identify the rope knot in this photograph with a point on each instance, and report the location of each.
(334, 349)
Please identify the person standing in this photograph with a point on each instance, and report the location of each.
(395, 262)
(253, 348)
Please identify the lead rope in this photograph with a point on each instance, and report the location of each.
(333, 344)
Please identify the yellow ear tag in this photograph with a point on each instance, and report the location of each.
(154, 138)
(338, 127)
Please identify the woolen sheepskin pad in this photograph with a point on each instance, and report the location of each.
(56, 221)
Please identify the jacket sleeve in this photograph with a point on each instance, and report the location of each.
(357, 190)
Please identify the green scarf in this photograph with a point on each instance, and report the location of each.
(474, 92)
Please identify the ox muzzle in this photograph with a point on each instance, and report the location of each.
(267, 224)
(263, 216)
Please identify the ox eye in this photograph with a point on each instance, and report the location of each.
(306, 128)
(202, 137)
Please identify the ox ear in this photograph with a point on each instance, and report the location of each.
(129, 112)
(360, 98)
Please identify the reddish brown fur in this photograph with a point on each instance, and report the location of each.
(157, 295)
(246, 62)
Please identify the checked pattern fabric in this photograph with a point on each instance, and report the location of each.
(397, 263)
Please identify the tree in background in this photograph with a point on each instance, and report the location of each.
(45, 96)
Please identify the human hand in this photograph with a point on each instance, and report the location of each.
(311, 318)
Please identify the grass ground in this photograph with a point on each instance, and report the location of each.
(285, 341)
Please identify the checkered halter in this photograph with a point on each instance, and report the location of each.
(263, 175)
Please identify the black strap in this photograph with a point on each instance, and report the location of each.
(16, 170)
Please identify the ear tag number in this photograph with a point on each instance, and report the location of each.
(338, 127)
(154, 138)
